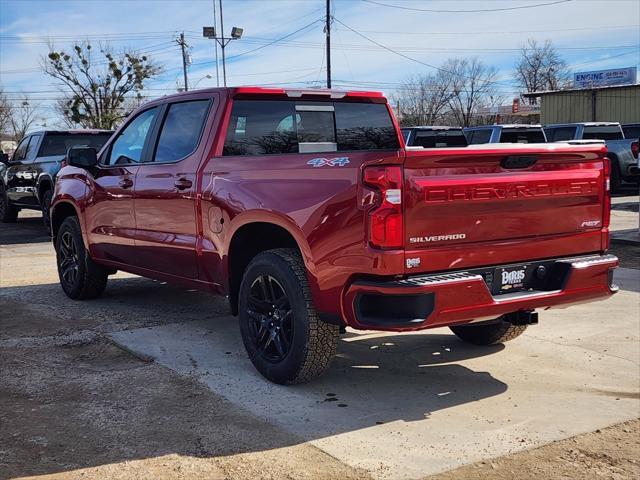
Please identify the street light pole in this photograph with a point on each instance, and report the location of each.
(224, 66)
(215, 21)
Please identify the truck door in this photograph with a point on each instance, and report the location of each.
(109, 213)
(166, 189)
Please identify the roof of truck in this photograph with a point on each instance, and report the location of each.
(432, 127)
(586, 124)
(506, 125)
(292, 92)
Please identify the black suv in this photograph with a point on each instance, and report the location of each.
(27, 179)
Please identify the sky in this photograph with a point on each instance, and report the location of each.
(371, 39)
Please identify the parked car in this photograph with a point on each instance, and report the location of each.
(305, 211)
(28, 178)
(434, 137)
(623, 152)
(631, 130)
(505, 134)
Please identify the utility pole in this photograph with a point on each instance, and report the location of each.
(182, 44)
(224, 66)
(327, 29)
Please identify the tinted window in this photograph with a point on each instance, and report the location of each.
(32, 149)
(59, 143)
(632, 131)
(604, 132)
(439, 138)
(128, 146)
(405, 133)
(364, 126)
(479, 136)
(559, 134)
(21, 151)
(260, 127)
(181, 130)
(522, 135)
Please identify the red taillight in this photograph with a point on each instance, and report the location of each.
(635, 149)
(385, 220)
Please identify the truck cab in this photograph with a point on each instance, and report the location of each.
(505, 134)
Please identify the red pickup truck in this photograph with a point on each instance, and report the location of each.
(307, 211)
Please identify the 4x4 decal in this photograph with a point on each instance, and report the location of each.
(331, 162)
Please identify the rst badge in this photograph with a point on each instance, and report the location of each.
(329, 162)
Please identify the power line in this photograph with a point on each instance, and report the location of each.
(506, 32)
(503, 9)
(410, 58)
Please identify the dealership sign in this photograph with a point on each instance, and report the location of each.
(603, 78)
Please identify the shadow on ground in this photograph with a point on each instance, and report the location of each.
(28, 229)
(71, 401)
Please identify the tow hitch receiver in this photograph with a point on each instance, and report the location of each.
(523, 317)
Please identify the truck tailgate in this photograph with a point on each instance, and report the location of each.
(490, 204)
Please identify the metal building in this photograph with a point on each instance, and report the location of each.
(620, 103)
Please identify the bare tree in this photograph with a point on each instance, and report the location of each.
(473, 85)
(23, 116)
(99, 94)
(422, 99)
(6, 111)
(540, 68)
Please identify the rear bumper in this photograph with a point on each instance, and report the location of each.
(428, 301)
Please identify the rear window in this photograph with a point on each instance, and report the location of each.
(262, 127)
(632, 131)
(475, 137)
(58, 143)
(602, 132)
(522, 135)
(439, 138)
(559, 134)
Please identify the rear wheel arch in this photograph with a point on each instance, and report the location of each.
(249, 240)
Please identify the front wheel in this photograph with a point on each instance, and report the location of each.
(488, 333)
(80, 277)
(8, 212)
(284, 337)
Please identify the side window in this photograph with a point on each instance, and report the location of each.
(21, 151)
(32, 149)
(261, 127)
(128, 146)
(181, 130)
(364, 126)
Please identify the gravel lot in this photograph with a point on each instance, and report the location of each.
(75, 405)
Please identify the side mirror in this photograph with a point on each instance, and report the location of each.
(82, 157)
(4, 158)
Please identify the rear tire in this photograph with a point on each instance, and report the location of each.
(285, 339)
(488, 333)
(8, 212)
(46, 210)
(80, 277)
(615, 179)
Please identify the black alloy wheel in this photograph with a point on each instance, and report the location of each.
(68, 260)
(271, 325)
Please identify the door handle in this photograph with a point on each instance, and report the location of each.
(183, 184)
(126, 183)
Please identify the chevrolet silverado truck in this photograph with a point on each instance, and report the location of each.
(305, 209)
(621, 150)
(27, 179)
